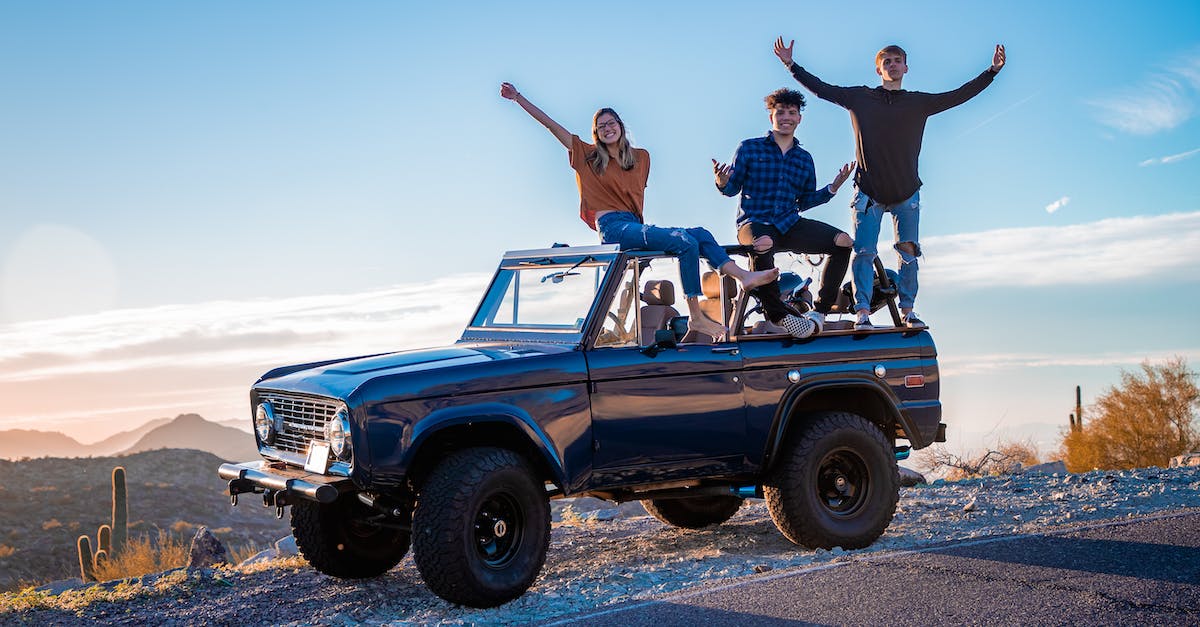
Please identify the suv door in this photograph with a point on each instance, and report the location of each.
(662, 414)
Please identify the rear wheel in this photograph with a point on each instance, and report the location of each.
(481, 527)
(693, 512)
(836, 483)
(346, 538)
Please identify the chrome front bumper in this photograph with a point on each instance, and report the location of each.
(280, 483)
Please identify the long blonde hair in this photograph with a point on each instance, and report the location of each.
(599, 158)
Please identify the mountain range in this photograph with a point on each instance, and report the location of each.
(184, 431)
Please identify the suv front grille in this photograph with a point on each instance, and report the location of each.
(302, 419)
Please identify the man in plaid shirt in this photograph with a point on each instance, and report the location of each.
(776, 181)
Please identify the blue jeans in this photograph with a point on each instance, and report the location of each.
(689, 245)
(867, 216)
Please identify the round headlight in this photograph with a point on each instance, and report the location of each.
(264, 423)
(337, 433)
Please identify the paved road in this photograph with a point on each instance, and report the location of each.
(1144, 571)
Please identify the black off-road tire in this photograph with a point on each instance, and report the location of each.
(693, 512)
(835, 484)
(481, 527)
(338, 540)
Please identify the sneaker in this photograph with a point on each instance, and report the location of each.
(818, 319)
(799, 327)
(913, 322)
(863, 323)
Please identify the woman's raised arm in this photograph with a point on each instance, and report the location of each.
(561, 134)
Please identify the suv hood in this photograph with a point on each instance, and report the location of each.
(460, 368)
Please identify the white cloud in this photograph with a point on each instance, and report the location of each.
(950, 365)
(225, 333)
(1170, 158)
(1091, 253)
(1161, 102)
(1058, 204)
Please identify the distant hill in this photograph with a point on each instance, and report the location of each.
(184, 431)
(194, 432)
(19, 443)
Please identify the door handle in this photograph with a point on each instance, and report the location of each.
(730, 350)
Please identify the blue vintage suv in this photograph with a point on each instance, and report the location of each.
(574, 378)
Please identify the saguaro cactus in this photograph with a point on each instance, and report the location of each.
(87, 570)
(120, 511)
(104, 539)
(110, 539)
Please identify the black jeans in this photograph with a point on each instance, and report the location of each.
(806, 236)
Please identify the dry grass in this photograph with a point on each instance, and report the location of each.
(51, 524)
(6, 551)
(144, 555)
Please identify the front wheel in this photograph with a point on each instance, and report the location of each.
(836, 483)
(346, 539)
(693, 512)
(481, 527)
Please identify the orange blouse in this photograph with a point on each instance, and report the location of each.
(615, 190)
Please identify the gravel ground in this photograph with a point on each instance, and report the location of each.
(603, 556)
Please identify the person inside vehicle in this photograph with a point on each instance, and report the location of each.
(612, 177)
(775, 180)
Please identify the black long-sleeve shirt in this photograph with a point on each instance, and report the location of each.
(888, 128)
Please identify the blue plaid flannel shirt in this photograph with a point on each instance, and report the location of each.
(775, 187)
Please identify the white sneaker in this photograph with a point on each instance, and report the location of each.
(818, 319)
(799, 327)
(913, 322)
(863, 323)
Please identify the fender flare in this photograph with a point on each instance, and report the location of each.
(486, 413)
(796, 394)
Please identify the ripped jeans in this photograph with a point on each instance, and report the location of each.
(689, 245)
(867, 216)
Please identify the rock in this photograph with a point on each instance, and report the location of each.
(762, 568)
(970, 506)
(206, 550)
(1190, 459)
(261, 556)
(61, 586)
(287, 546)
(606, 514)
(910, 478)
(1050, 468)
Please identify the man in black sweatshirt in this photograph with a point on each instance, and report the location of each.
(889, 124)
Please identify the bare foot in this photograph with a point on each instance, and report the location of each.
(703, 325)
(758, 279)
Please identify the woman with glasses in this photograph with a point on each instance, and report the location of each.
(612, 177)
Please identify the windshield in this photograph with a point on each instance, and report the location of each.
(543, 295)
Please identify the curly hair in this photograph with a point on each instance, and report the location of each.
(785, 96)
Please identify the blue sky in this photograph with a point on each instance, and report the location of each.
(193, 193)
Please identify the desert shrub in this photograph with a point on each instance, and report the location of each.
(1006, 457)
(1147, 420)
(6, 551)
(51, 524)
(181, 527)
(145, 554)
(242, 552)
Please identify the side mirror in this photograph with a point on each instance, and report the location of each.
(663, 339)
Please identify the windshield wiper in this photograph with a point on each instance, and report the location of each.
(557, 277)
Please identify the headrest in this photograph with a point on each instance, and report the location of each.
(659, 293)
(710, 284)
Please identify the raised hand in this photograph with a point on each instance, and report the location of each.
(998, 58)
(784, 52)
(508, 91)
(842, 175)
(721, 173)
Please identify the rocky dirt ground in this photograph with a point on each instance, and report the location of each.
(601, 555)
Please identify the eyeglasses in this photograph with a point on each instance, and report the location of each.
(608, 124)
